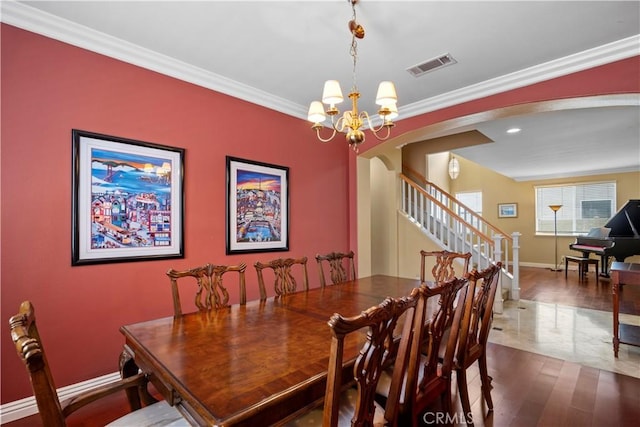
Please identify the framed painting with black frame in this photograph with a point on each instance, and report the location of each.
(257, 217)
(128, 200)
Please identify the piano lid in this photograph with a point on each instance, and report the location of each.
(598, 233)
(626, 222)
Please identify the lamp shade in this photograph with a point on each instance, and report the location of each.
(393, 108)
(386, 94)
(332, 94)
(316, 112)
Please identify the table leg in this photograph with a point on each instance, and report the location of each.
(616, 308)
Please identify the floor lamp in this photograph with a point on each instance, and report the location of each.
(555, 209)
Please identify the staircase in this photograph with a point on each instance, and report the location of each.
(455, 227)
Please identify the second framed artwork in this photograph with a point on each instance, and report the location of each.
(257, 206)
(507, 210)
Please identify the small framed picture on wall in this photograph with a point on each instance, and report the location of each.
(507, 210)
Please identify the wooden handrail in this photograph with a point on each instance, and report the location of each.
(446, 208)
(424, 181)
(435, 211)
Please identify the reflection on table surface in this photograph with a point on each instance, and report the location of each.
(255, 363)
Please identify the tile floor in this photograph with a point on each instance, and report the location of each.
(574, 334)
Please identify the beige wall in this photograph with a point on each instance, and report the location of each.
(437, 170)
(383, 218)
(383, 228)
(364, 216)
(412, 146)
(411, 240)
(496, 188)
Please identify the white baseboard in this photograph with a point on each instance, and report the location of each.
(26, 407)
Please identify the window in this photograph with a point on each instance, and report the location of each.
(596, 209)
(472, 200)
(584, 206)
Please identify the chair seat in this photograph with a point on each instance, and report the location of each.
(347, 409)
(160, 414)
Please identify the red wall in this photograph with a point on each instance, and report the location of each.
(49, 88)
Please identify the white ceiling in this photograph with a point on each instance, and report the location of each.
(279, 53)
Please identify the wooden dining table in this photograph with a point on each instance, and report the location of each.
(252, 364)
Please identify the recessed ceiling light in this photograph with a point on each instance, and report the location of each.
(513, 130)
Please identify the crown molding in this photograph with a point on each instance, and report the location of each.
(605, 54)
(46, 24)
(37, 21)
(573, 174)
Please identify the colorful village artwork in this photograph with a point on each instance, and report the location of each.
(258, 207)
(130, 200)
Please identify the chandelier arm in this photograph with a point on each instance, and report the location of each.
(364, 116)
(317, 129)
(384, 138)
(385, 124)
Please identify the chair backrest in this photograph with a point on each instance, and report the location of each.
(380, 323)
(210, 292)
(476, 325)
(284, 278)
(428, 377)
(26, 338)
(341, 267)
(443, 268)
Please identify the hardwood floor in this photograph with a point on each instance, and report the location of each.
(544, 285)
(528, 389)
(535, 390)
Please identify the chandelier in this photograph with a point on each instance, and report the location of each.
(351, 122)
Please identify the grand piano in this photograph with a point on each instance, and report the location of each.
(619, 239)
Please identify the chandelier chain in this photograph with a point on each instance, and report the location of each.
(354, 44)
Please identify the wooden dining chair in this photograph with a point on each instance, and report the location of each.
(474, 333)
(284, 278)
(428, 376)
(210, 293)
(356, 405)
(54, 413)
(341, 267)
(443, 268)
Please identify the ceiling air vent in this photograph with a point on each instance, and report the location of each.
(431, 65)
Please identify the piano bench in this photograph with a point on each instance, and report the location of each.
(583, 265)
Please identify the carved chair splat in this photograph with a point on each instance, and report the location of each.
(443, 268)
(428, 377)
(211, 294)
(356, 406)
(341, 267)
(284, 278)
(474, 334)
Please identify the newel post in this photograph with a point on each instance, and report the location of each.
(497, 257)
(515, 283)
